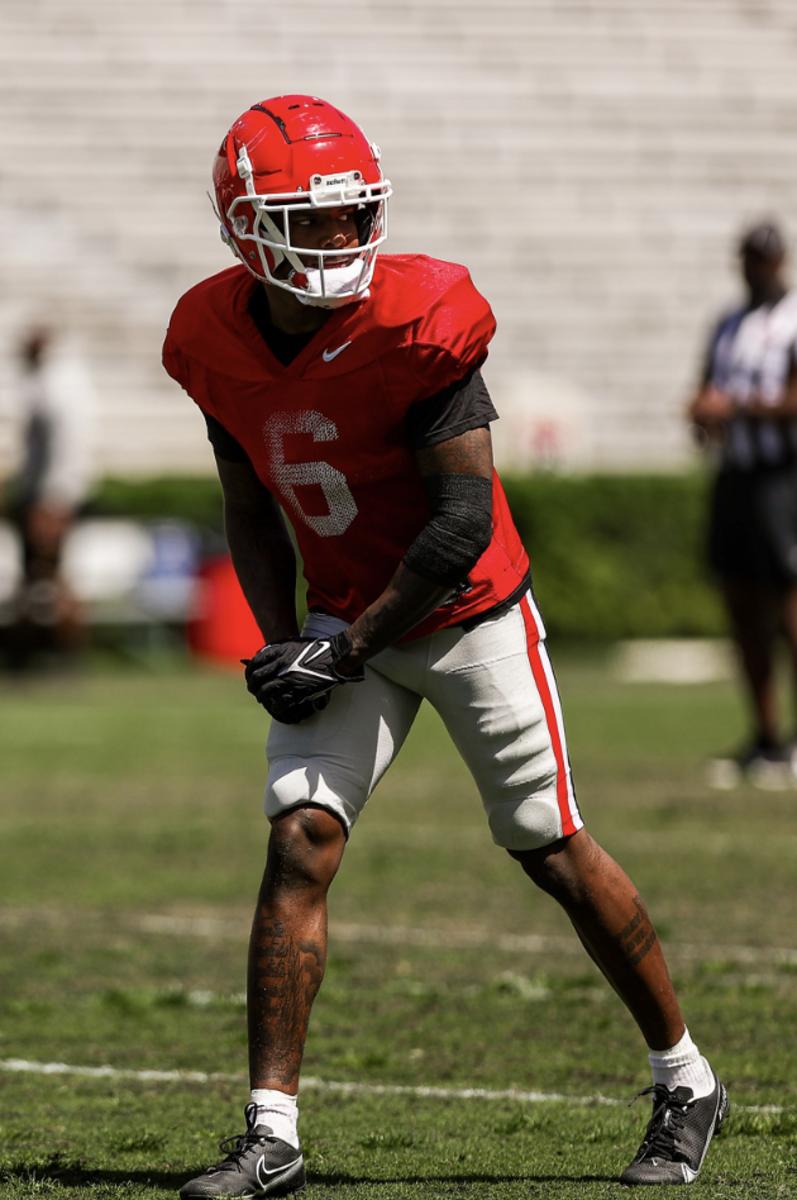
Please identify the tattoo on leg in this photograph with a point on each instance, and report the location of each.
(638, 937)
(284, 976)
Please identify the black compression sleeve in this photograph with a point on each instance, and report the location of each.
(459, 531)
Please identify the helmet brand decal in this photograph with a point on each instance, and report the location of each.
(335, 182)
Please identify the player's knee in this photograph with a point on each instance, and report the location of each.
(544, 871)
(305, 848)
(559, 869)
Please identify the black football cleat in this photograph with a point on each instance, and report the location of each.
(678, 1135)
(256, 1164)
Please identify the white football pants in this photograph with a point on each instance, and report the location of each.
(495, 690)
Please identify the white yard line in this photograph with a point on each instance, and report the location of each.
(354, 933)
(462, 937)
(421, 1092)
(457, 936)
(24, 1066)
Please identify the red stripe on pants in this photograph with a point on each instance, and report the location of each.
(541, 680)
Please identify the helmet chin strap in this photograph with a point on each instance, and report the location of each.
(338, 284)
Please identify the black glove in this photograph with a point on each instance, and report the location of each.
(293, 679)
(288, 712)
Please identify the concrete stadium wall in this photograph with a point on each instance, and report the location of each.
(590, 160)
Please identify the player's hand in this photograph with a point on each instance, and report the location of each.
(289, 678)
(288, 712)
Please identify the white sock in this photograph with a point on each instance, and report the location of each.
(278, 1110)
(682, 1066)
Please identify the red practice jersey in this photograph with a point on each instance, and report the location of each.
(327, 433)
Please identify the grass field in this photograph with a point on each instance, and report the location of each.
(131, 844)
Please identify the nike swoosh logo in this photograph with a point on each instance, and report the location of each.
(301, 664)
(262, 1171)
(323, 647)
(328, 355)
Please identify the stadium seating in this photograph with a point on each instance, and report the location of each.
(591, 160)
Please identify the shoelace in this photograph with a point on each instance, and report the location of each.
(235, 1147)
(664, 1126)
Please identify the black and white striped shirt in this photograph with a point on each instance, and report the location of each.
(753, 354)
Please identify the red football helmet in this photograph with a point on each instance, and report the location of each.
(285, 156)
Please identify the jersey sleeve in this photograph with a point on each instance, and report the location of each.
(180, 361)
(710, 351)
(193, 340)
(723, 329)
(464, 405)
(175, 362)
(451, 338)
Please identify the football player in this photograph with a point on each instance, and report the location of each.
(342, 390)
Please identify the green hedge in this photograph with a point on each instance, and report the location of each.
(618, 556)
(613, 556)
(186, 497)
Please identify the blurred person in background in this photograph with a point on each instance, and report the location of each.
(343, 391)
(745, 414)
(45, 495)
